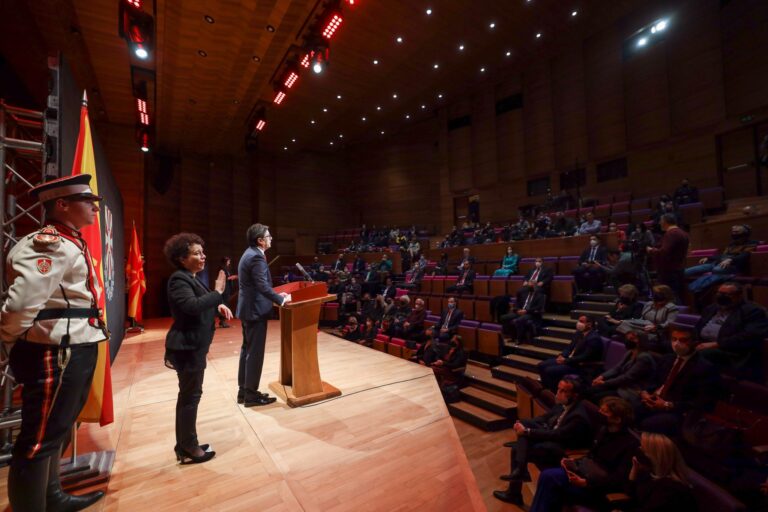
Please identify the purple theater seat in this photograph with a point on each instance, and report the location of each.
(762, 248)
(490, 326)
(686, 319)
(712, 498)
(704, 253)
(397, 341)
(613, 352)
(432, 318)
(641, 215)
(691, 213)
(712, 198)
(567, 264)
(470, 323)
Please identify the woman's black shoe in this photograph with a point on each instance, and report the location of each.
(184, 457)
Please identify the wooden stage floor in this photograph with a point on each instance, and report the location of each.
(388, 443)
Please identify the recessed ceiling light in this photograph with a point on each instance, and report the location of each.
(378, 107)
(256, 58)
(341, 135)
(363, 119)
(429, 11)
(325, 109)
(399, 39)
(482, 70)
(461, 47)
(270, 28)
(285, 148)
(407, 116)
(293, 140)
(202, 53)
(311, 121)
(492, 25)
(382, 132)
(375, 62)
(209, 19)
(574, 13)
(440, 96)
(338, 96)
(642, 41)
(394, 95)
(436, 65)
(538, 35)
(331, 143)
(423, 107)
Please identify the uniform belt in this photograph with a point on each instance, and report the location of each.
(55, 313)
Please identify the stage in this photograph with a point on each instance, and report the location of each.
(388, 443)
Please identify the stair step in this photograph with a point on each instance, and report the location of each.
(559, 321)
(511, 374)
(576, 313)
(490, 401)
(536, 351)
(596, 297)
(483, 378)
(594, 306)
(479, 417)
(551, 342)
(559, 332)
(520, 361)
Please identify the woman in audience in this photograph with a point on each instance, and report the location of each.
(369, 333)
(400, 314)
(508, 264)
(351, 330)
(654, 319)
(626, 307)
(658, 479)
(634, 373)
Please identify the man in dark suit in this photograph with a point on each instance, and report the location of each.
(521, 323)
(544, 439)
(540, 276)
(590, 274)
(466, 280)
(339, 264)
(449, 321)
(671, 254)
(359, 265)
(684, 382)
(581, 357)
(731, 333)
(390, 290)
(254, 307)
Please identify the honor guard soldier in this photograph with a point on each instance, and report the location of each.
(52, 318)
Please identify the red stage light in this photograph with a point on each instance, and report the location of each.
(332, 25)
(279, 97)
(260, 125)
(135, 3)
(292, 77)
(141, 105)
(305, 61)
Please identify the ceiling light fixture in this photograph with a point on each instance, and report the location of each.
(423, 107)
(270, 28)
(461, 47)
(202, 53)
(363, 119)
(325, 109)
(256, 58)
(574, 13)
(209, 19)
(399, 39)
(492, 25)
(482, 70)
(508, 54)
(429, 11)
(338, 96)
(538, 35)
(375, 62)
(436, 65)
(394, 96)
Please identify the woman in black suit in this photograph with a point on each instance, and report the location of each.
(194, 308)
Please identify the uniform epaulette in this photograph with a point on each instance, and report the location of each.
(47, 238)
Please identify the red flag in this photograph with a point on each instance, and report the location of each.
(99, 405)
(137, 284)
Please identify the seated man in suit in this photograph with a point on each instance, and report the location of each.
(523, 321)
(350, 299)
(413, 326)
(590, 274)
(731, 333)
(339, 264)
(540, 276)
(321, 274)
(385, 267)
(413, 280)
(448, 325)
(466, 280)
(590, 226)
(544, 439)
(445, 359)
(358, 266)
(390, 290)
(370, 281)
(465, 259)
(564, 226)
(685, 382)
(401, 313)
(582, 357)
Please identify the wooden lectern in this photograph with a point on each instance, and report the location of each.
(300, 382)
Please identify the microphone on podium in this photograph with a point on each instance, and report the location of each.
(304, 273)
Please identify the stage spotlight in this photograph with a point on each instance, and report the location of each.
(137, 28)
(331, 25)
(290, 76)
(258, 123)
(279, 95)
(642, 41)
(144, 137)
(319, 62)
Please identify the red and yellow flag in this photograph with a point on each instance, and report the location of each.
(137, 283)
(98, 408)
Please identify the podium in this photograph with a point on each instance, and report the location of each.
(300, 382)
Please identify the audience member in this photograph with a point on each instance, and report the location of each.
(658, 479)
(413, 326)
(466, 258)
(684, 383)
(466, 280)
(686, 194)
(358, 266)
(369, 332)
(413, 280)
(590, 226)
(522, 323)
(508, 264)
(563, 226)
(582, 357)
(390, 290)
(401, 312)
(350, 299)
(339, 265)
(671, 254)
(351, 330)
(626, 306)
(633, 374)
(733, 261)
(590, 274)
(448, 325)
(445, 358)
(731, 333)
(370, 282)
(385, 267)
(654, 319)
(544, 439)
(587, 480)
(540, 276)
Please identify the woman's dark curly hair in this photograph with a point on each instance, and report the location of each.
(177, 247)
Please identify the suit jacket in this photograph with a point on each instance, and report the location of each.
(743, 330)
(256, 293)
(545, 276)
(600, 254)
(193, 307)
(453, 323)
(584, 349)
(359, 265)
(469, 278)
(537, 304)
(672, 251)
(574, 431)
(339, 265)
(389, 292)
(696, 386)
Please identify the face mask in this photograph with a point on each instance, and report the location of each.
(580, 326)
(538, 264)
(593, 243)
(451, 306)
(625, 300)
(723, 300)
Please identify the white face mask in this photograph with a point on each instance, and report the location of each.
(593, 243)
(581, 327)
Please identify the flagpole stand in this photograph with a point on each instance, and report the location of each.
(91, 469)
(135, 327)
